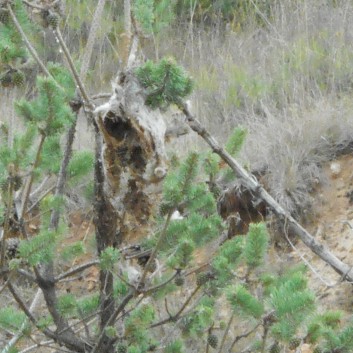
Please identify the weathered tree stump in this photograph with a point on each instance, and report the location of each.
(133, 152)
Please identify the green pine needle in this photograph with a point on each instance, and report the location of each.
(67, 305)
(81, 164)
(256, 245)
(244, 302)
(236, 141)
(174, 347)
(88, 304)
(11, 318)
(108, 258)
(165, 82)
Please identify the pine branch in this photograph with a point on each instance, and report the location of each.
(156, 249)
(27, 42)
(252, 184)
(14, 339)
(31, 177)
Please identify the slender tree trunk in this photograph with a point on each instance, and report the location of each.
(106, 225)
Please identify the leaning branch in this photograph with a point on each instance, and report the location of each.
(252, 184)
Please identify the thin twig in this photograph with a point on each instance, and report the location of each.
(156, 249)
(244, 335)
(76, 269)
(74, 72)
(155, 288)
(225, 334)
(27, 42)
(31, 177)
(6, 283)
(111, 320)
(101, 95)
(34, 6)
(177, 315)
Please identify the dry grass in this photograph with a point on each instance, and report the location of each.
(288, 82)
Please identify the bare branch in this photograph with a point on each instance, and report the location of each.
(96, 23)
(101, 95)
(180, 311)
(76, 269)
(156, 249)
(225, 333)
(118, 310)
(74, 72)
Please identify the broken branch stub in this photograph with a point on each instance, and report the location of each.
(133, 152)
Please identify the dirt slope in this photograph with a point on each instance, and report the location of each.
(332, 224)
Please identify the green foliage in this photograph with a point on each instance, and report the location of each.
(120, 289)
(197, 324)
(211, 164)
(236, 141)
(136, 326)
(321, 323)
(154, 15)
(51, 155)
(11, 318)
(256, 245)
(80, 165)
(165, 82)
(64, 78)
(293, 304)
(244, 302)
(108, 258)
(49, 203)
(72, 250)
(88, 304)
(177, 184)
(181, 190)
(12, 49)
(44, 322)
(67, 305)
(341, 341)
(174, 347)
(143, 11)
(49, 110)
(40, 248)
(226, 260)
(183, 254)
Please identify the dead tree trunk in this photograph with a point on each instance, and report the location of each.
(133, 153)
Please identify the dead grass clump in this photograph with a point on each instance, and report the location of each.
(291, 147)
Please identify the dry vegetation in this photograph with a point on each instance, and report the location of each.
(287, 78)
